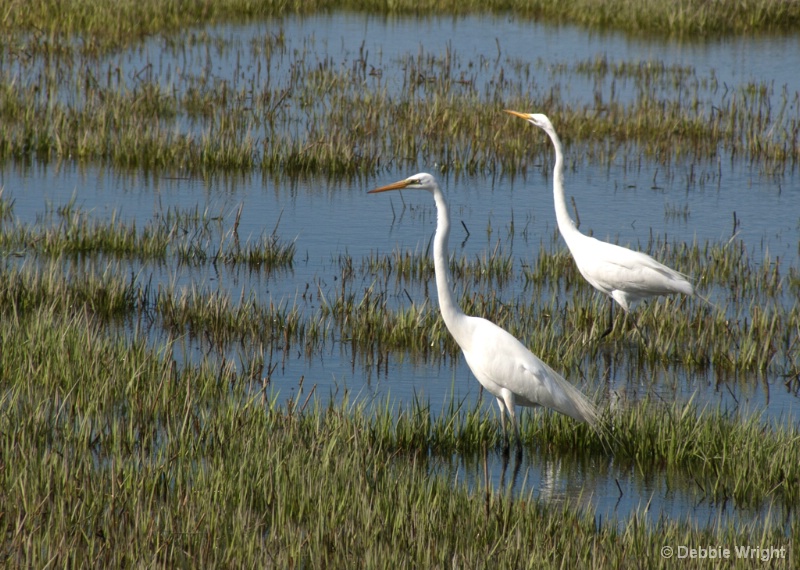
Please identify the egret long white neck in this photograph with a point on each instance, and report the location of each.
(566, 225)
(450, 310)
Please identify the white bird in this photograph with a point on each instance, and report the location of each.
(500, 362)
(626, 276)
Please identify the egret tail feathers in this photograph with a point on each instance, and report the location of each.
(573, 402)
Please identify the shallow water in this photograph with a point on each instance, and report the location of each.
(326, 220)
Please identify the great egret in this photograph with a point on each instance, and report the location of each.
(500, 362)
(626, 276)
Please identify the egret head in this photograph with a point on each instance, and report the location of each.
(421, 181)
(537, 119)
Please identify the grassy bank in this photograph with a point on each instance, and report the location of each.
(109, 24)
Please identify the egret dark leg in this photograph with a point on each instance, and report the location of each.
(610, 319)
(517, 465)
(515, 473)
(506, 443)
(504, 468)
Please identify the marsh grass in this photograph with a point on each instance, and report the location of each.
(216, 316)
(187, 236)
(560, 316)
(269, 252)
(724, 453)
(114, 455)
(103, 293)
(555, 312)
(342, 120)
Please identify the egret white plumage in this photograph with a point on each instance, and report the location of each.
(500, 362)
(626, 276)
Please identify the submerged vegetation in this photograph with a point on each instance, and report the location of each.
(139, 424)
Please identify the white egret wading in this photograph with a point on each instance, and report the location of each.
(626, 276)
(500, 362)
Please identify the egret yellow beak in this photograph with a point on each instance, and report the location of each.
(393, 186)
(516, 114)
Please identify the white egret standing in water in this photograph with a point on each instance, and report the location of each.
(626, 276)
(500, 362)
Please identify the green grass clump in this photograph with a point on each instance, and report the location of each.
(189, 236)
(79, 235)
(216, 316)
(269, 251)
(70, 290)
(560, 316)
(731, 457)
